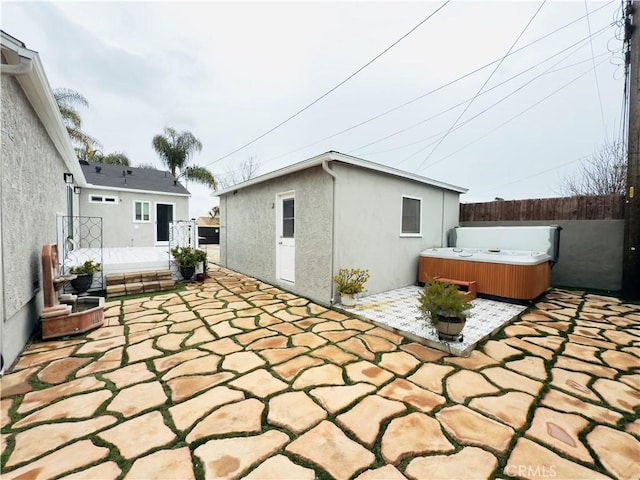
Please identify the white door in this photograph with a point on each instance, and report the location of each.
(285, 237)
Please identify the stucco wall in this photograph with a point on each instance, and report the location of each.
(368, 231)
(248, 232)
(118, 226)
(590, 252)
(33, 194)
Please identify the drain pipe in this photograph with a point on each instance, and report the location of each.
(332, 174)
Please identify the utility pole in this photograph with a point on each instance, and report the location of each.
(631, 253)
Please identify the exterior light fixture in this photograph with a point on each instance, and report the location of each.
(76, 190)
(68, 177)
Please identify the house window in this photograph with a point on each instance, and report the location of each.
(141, 211)
(411, 216)
(102, 199)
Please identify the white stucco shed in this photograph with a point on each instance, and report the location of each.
(297, 226)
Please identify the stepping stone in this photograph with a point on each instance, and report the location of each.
(171, 341)
(500, 351)
(366, 418)
(69, 458)
(78, 406)
(407, 392)
(17, 383)
(242, 362)
(470, 428)
(232, 457)
(469, 463)
(293, 367)
(430, 376)
(532, 461)
(357, 346)
(42, 398)
(139, 435)
(528, 347)
(58, 370)
(182, 316)
(327, 326)
(567, 403)
(185, 387)
(294, 411)
(399, 363)
(634, 428)
(573, 382)
(260, 383)
(389, 335)
(329, 448)
(199, 365)
(165, 363)
(511, 408)
(507, 379)
(333, 315)
(355, 324)
(5, 405)
(186, 413)
(307, 339)
(103, 471)
(218, 317)
(582, 352)
(619, 452)
(35, 441)
(322, 375)
(224, 329)
(109, 361)
(617, 394)
(518, 331)
(550, 342)
(377, 344)
(269, 343)
(164, 464)
(247, 338)
(413, 435)
(235, 418)
(568, 363)
(423, 353)
(278, 355)
(465, 383)
(339, 336)
(279, 468)
(223, 346)
(133, 400)
(560, 431)
(100, 346)
(475, 361)
(123, 377)
(621, 338)
(631, 380)
(333, 354)
(621, 360)
(334, 399)
(287, 329)
(530, 366)
(199, 335)
(286, 316)
(142, 351)
(583, 340)
(388, 472)
(368, 372)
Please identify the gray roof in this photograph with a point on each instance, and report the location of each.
(131, 178)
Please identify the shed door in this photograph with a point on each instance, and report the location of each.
(285, 237)
(164, 217)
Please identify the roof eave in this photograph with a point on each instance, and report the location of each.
(339, 157)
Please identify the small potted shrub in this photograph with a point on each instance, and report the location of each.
(445, 308)
(84, 275)
(187, 259)
(350, 282)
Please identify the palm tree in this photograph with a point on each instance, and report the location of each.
(175, 149)
(67, 101)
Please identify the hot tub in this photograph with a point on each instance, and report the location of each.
(516, 274)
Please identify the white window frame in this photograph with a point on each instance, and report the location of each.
(410, 234)
(135, 220)
(108, 199)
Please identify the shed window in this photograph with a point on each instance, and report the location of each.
(411, 216)
(102, 199)
(141, 211)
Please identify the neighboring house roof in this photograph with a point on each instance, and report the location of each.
(26, 67)
(208, 221)
(332, 156)
(116, 177)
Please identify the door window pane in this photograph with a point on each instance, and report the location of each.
(288, 218)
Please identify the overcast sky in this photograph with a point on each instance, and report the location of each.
(230, 71)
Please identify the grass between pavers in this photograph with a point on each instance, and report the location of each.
(125, 465)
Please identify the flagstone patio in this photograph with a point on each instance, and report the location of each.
(236, 378)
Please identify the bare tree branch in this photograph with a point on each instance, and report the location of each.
(605, 173)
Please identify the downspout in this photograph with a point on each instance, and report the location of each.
(25, 66)
(332, 174)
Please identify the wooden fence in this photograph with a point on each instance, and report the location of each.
(606, 207)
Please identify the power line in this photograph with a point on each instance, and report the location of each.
(334, 88)
(420, 97)
(483, 85)
(595, 75)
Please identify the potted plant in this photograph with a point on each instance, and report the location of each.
(187, 258)
(350, 282)
(445, 308)
(84, 277)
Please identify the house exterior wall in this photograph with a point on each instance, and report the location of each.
(368, 225)
(119, 229)
(248, 231)
(33, 193)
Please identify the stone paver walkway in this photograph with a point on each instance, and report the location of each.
(236, 378)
